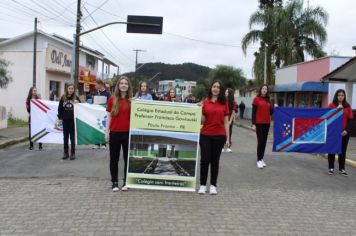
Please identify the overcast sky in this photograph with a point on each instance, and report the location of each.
(223, 22)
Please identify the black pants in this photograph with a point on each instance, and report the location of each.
(118, 139)
(230, 132)
(242, 114)
(29, 134)
(210, 151)
(69, 132)
(342, 155)
(262, 135)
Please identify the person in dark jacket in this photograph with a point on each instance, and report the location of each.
(242, 109)
(32, 94)
(66, 114)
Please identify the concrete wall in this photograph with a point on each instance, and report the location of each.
(313, 70)
(286, 75)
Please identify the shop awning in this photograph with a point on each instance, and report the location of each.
(344, 73)
(300, 87)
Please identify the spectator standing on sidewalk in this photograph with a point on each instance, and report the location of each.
(66, 114)
(261, 120)
(214, 135)
(229, 93)
(117, 128)
(242, 109)
(101, 91)
(32, 94)
(143, 92)
(340, 102)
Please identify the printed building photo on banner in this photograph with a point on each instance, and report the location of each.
(163, 153)
(163, 148)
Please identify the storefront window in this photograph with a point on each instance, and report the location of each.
(54, 90)
(290, 99)
(303, 100)
(317, 100)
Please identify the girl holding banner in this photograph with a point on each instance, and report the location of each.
(261, 120)
(117, 128)
(143, 91)
(339, 102)
(32, 94)
(229, 93)
(214, 135)
(66, 114)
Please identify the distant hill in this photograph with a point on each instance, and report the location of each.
(186, 71)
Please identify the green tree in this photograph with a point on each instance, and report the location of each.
(200, 91)
(230, 76)
(5, 77)
(287, 34)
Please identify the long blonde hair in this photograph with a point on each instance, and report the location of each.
(115, 106)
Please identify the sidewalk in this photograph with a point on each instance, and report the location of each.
(11, 136)
(351, 148)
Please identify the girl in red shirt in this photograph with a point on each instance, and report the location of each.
(214, 135)
(171, 96)
(261, 120)
(32, 94)
(229, 93)
(339, 102)
(117, 128)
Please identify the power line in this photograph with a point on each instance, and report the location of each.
(90, 14)
(112, 43)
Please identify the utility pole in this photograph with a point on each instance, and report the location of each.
(265, 66)
(77, 43)
(135, 79)
(34, 53)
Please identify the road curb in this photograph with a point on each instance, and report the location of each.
(349, 162)
(13, 141)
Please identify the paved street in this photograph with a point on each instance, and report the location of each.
(293, 195)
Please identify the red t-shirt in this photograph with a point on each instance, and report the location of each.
(234, 108)
(214, 113)
(347, 115)
(120, 122)
(263, 113)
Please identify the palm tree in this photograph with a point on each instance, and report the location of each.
(301, 32)
(287, 34)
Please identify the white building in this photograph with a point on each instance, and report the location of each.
(53, 67)
(186, 87)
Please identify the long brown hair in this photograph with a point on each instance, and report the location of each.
(230, 98)
(221, 97)
(336, 100)
(29, 96)
(115, 106)
(65, 95)
(259, 94)
(168, 95)
(140, 86)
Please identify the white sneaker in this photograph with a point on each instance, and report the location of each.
(202, 189)
(263, 163)
(213, 190)
(223, 150)
(124, 188)
(103, 147)
(228, 150)
(95, 147)
(259, 165)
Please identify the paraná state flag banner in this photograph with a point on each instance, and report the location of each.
(307, 130)
(90, 123)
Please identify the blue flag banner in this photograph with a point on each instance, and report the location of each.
(307, 130)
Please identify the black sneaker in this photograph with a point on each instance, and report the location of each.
(65, 156)
(115, 187)
(343, 172)
(30, 148)
(72, 156)
(331, 171)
